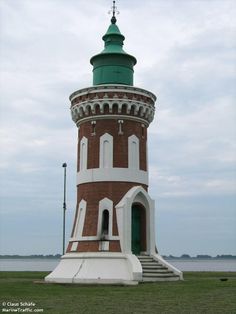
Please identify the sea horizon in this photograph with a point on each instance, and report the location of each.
(56, 256)
(188, 264)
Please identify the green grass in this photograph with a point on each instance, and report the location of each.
(200, 292)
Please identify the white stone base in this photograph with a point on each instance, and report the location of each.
(97, 268)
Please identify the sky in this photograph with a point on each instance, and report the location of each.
(186, 56)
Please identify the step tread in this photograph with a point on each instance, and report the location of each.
(155, 267)
(151, 264)
(164, 271)
(160, 279)
(160, 275)
(154, 270)
(146, 259)
(150, 261)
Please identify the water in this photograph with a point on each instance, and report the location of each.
(40, 264)
(204, 264)
(28, 264)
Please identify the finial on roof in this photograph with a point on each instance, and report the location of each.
(114, 11)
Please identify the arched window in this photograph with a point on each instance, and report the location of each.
(105, 218)
(105, 223)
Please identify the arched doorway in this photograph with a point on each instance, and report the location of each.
(138, 226)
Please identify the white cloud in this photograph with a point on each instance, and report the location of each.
(185, 55)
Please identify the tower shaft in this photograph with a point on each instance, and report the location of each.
(112, 125)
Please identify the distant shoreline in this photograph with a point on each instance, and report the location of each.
(183, 257)
(30, 256)
(199, 258)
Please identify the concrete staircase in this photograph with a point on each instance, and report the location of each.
(155, 271)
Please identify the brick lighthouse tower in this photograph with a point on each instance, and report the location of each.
(113, 235)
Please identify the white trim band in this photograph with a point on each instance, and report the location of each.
(112, 174)
(93, 238)
(112, 116)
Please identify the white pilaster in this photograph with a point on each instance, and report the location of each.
(133, 152)
(106, 151)
(83, 153)
(80, 220)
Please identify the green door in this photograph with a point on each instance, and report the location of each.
(136, 230)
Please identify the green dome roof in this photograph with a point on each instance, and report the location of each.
(113, 30)
(113, 65)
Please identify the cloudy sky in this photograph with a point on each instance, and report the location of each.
(186, 56)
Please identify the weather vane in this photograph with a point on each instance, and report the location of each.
(114, 11)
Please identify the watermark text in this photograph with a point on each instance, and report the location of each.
(20, 307)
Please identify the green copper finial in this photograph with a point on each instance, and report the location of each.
(113, 65)
(114, 11)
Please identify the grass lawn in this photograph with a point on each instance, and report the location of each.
(200, 292)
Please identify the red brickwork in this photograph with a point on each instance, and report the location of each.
(93, 246)
(69, 247)
(88, 246)
(114, 246)
(120, 142)
(92, 193)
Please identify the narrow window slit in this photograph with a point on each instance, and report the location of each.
(105, 224)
